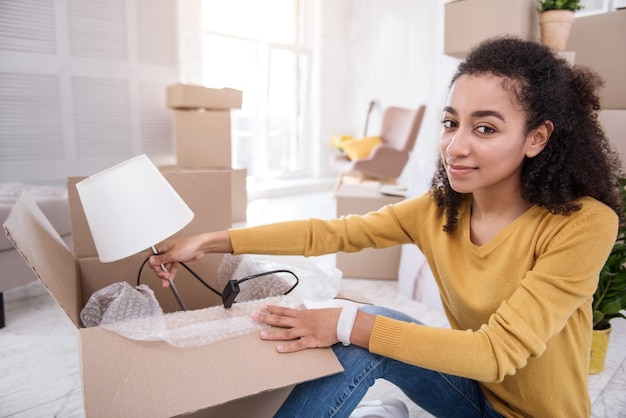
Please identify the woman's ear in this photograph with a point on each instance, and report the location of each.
(538, 139)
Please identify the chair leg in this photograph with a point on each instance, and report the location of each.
(338, 184)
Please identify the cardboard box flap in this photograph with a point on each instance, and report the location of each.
(122, 377)
(45, 252)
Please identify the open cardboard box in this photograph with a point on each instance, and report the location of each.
(242, 376)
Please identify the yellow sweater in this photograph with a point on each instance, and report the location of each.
(519, 306)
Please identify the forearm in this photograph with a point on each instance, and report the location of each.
(217, 242)
(282, 238)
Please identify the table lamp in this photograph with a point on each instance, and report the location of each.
(131, 207)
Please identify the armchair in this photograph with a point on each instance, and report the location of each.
(386, 161)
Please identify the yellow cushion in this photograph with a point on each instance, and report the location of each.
(361, 148)
(339, 140)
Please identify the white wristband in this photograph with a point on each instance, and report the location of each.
(345, 324)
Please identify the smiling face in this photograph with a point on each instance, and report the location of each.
(483, 139)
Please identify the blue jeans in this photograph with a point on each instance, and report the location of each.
(338, 395)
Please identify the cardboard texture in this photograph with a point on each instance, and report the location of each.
(189, 96)
(599, 43)
(123, 377)
(238, 189)
(369, 263)
(239, 194)
(468, 22)
(202, 139)
(614, 124)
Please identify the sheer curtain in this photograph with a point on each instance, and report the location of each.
(265, 50)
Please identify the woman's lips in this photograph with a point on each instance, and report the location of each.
(459, 170)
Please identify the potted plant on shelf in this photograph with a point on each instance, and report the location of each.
(555, 20)
(610, 296)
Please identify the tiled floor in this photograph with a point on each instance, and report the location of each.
(40, 372)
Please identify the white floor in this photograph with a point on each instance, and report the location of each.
(40, 372)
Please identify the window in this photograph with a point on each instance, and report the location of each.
(263, 49)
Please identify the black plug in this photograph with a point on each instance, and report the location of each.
(230, 293)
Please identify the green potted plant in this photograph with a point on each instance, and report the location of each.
(573, 5)
(556, 19)
(610, 296)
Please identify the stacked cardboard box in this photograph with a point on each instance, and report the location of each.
(600, 43)
(468, 22)
(202, 133)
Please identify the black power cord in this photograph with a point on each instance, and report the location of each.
(232, 289)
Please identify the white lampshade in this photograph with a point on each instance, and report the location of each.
(131, 207)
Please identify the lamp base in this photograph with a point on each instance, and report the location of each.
(171, 282)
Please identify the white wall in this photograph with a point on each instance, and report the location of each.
(82, 86)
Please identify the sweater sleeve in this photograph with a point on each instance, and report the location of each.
(313, 237)
(478, 355)
(551, 295)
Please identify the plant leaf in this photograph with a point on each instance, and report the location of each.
(612, 308)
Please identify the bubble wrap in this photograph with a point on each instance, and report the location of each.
(122, 303)
(134, 313)
(318, 281)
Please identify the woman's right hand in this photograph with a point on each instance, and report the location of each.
(173, 252)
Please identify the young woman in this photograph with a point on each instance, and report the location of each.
(521, 216)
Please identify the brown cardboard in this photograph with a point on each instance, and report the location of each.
(614, 124)
(155, 379)
(204, 192)
(207, 193)
(468, 22)
(598, 41)
(369, 263)
(202, 138)
(238, 188)
(239, 194)
(189, 96)
(122, 377)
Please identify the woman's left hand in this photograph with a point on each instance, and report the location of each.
(303, 328)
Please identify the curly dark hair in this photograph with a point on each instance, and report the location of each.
(578, 160)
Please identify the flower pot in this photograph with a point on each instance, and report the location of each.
(599, 344)
(555, 28)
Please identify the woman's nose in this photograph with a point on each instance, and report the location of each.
(457, 144)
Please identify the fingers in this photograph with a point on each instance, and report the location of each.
(284, 332)
(162, 263)
(162, 257)
(302, 328)
(163, 271)
(277, 316)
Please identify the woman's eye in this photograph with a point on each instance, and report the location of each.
(485, 129)
(447, 123)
